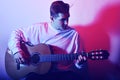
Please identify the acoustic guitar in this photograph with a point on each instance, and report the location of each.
(41, 58)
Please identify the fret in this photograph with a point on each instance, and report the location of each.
(67, 57)
(71, 57)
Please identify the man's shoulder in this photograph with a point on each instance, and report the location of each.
(41, 24)
(71, 29)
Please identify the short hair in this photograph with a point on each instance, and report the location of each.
(59, 7)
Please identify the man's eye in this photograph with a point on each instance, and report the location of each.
(64, 19)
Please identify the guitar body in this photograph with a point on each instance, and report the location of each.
(40, 68)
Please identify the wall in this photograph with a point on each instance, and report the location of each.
(97, 21)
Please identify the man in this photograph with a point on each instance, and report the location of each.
(57, 34)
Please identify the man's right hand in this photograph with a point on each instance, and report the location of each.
(19, 57)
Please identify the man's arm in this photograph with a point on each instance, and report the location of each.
(14, 45)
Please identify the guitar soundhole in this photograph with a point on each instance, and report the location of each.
(35, 58)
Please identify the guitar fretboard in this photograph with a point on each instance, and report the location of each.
(58, 57)
(54, 57)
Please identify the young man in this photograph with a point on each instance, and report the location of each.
(62, 38)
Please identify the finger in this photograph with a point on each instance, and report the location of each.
(84, 58)
(22, 61)
(17, 60)
(79, 57)
(18, 64)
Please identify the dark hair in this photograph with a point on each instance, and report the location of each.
(59, 7)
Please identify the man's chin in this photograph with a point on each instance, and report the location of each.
(61, 29)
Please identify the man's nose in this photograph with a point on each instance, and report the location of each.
(65, 22)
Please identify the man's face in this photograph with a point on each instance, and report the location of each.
(61, 21)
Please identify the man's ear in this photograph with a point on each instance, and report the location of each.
(51, 17)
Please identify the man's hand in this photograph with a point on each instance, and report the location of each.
(20, 57)
(81, 59)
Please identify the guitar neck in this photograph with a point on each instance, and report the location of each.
(54, 57)
(93, 55)
(58, 57)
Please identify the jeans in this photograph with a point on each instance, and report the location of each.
(66, 75)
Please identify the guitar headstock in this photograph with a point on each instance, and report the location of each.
(98, 55)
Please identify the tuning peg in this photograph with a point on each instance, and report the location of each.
(100, 52)
(101, 57)
(92, 53)
(97, 57)
(96, 53)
